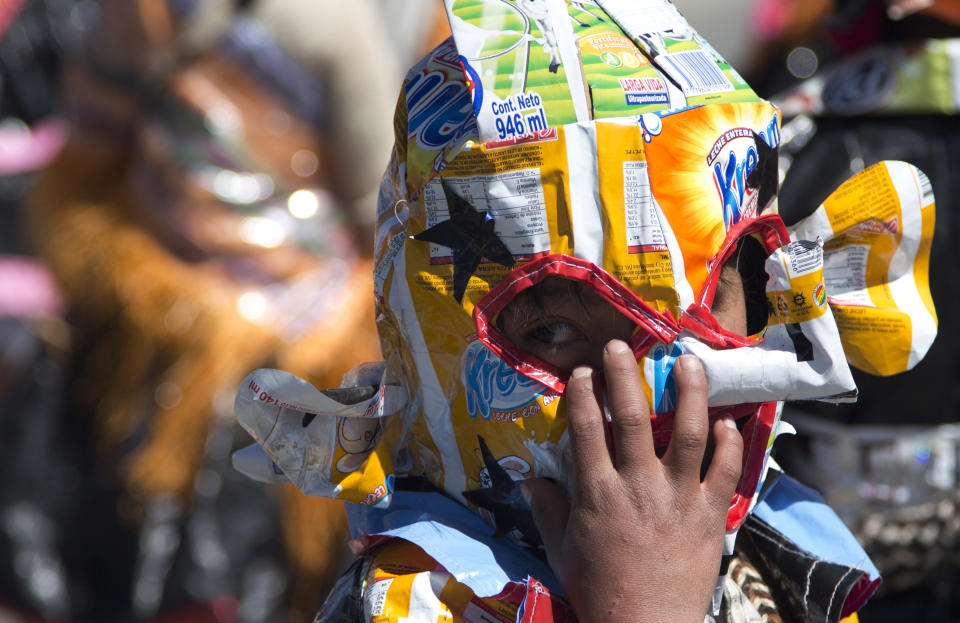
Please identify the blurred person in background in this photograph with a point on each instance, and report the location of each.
(210, 213)
(860, 81)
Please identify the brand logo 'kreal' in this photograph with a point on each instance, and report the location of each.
(732, 159)
(493, 387)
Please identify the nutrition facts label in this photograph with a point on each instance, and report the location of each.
(644, 234)
(513, 199)
(376, 596)
(845, 274)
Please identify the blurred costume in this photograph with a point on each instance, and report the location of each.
(203, 220)
(886, 89)
(634, 172)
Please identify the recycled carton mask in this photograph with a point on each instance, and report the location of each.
(506, 175)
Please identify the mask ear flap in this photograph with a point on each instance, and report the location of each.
(877, 229)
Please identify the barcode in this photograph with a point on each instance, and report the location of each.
(695, 71)
(804, 257)
(926, 189)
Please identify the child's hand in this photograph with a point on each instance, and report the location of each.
(640, 540)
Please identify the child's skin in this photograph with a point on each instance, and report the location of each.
(639, 540)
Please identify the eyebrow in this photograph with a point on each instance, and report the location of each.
(559, 289)
(540, 297)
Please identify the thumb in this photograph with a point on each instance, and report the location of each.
(550, 509)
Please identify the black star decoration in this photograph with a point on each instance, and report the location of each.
(469, 233)
(765, 177)
(503, 499)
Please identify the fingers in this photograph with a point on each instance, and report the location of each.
(632, 434)
(588, 446)
(550, 510)
(691, 426)
(727, 462)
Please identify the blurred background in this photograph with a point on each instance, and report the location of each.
(186, 194)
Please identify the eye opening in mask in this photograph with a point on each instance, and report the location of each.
(743, 275)
(563, 322)
(741, 263)
(595, 284)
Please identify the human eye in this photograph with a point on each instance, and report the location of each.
(555, 333)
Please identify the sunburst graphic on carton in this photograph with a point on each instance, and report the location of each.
(682, 161)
